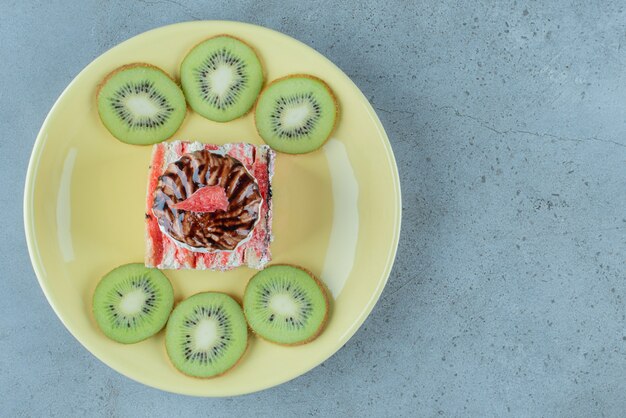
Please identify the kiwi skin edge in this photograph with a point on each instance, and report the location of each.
(324, 321)
(225, 371)
(337, 115)
(263, 80)
(134, 65)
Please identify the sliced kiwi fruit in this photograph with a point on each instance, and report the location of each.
(221, 78)
(296, 114)
(286, 305)
(140, 104)
(206, 335)
(132, 303)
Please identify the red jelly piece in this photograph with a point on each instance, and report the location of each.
(206, 199)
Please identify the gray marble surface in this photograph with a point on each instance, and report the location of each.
(508, 121)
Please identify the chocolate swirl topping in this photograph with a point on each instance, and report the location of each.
(207, 231)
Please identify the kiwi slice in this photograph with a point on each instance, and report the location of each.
(140, 104)
(132, 303)
(286, 305)
(206, 335)
(221, 78)
(296, 114)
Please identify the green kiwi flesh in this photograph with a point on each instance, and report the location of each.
(206, 335)
(140, 104)
(132, 303)
(296, 114)
(221, 78)
(286, 305)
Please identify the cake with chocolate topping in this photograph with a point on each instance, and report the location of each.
(209, 206)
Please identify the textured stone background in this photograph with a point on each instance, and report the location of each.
(508, 121)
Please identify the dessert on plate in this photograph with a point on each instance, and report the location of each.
(209, 206)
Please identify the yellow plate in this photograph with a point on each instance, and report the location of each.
(337, 210)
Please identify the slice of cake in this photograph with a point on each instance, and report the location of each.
(209, 206)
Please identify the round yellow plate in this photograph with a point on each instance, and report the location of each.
(336, 211)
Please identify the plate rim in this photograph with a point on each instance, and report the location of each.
(29, 228)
